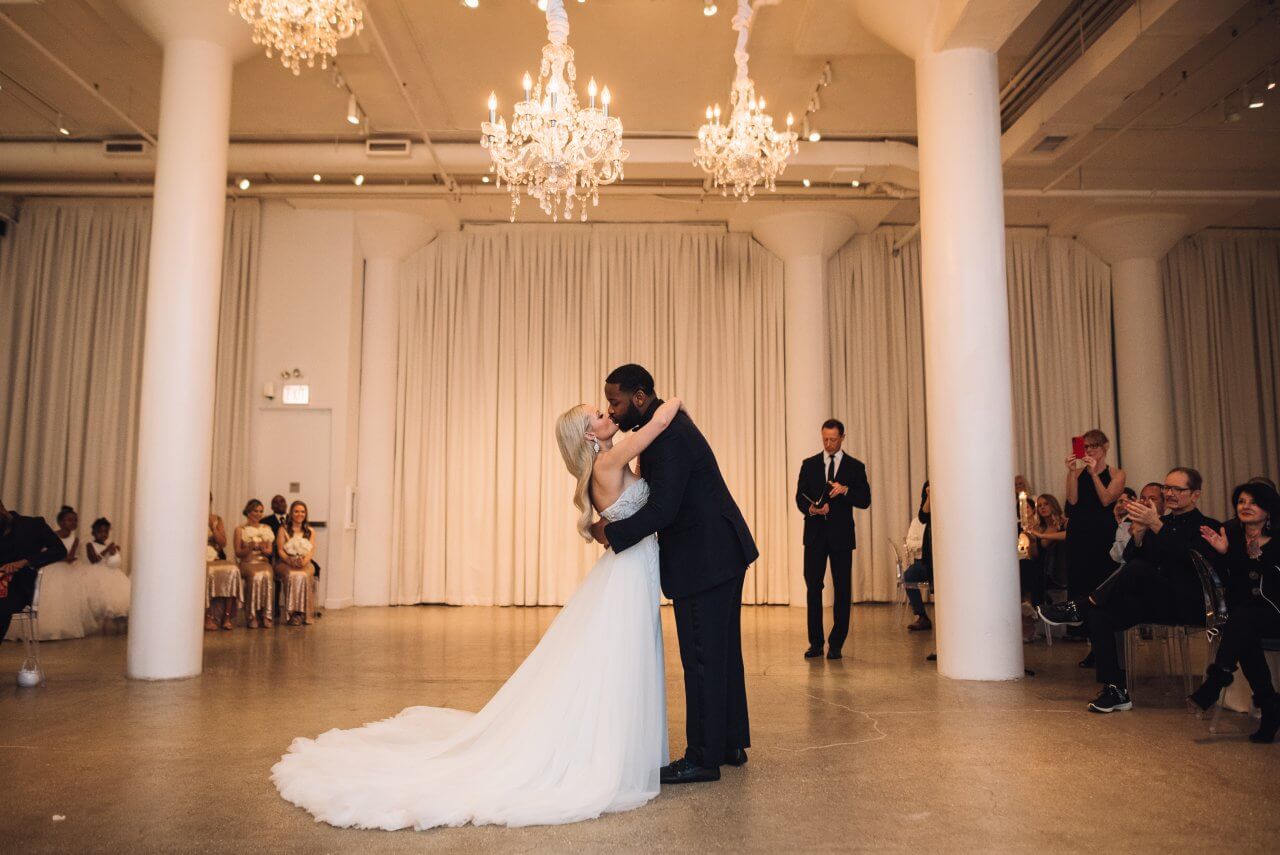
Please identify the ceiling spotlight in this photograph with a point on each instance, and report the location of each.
(542, 5)
(814, 136)
(243, 183)
(353, 109)
(709, 8)
(1271, 79)
(484, 179)
(358, 180)
(1253, 102)
(855, 183)
(805, 182)
(1229, 114)
(471, 4)
(316, 178)
(62, 127)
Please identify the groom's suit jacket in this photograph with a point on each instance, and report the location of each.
(702, 538)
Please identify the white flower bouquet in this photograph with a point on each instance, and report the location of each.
(255, 534)
(210, 554)
(297, 546)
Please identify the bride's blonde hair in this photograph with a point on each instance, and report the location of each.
(571, 435)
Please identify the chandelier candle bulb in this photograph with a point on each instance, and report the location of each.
(605, 98)
(528, 85)
(592, 91)
(493, 106)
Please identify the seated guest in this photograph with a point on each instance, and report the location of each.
(1248, 559)
(921, 571)
(295, 544)
(1158, 583)
(223, 589)
(1150, 495)
(279, 513)
(1264, 480)
(1046, 534)
(255, 544)
(107, 585)
(26, 545)
(64, 594)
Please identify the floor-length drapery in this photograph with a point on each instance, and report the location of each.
(503, 328)
(1222, 298)
(73, 279)
(1060, 333)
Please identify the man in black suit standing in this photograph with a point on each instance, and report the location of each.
(831, 485)
(704, 550)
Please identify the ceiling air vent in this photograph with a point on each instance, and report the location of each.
(388, 148)
(1049, 144)
(126, 148)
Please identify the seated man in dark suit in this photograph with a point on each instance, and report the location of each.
(26, 545)
(1157, 583)
(830, 486)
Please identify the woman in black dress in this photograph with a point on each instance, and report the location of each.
(1248, 558)
(1092, 488)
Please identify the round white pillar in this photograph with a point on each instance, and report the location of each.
(385, 238)
(1133, 246)
(968, 391)
(804, 240)
(175, 437)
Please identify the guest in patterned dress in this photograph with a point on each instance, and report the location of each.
(254, 545)
(295, 544)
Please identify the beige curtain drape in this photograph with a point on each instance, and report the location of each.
(73, 279)
(1222, 298)
(1060, 326)
(504, 328)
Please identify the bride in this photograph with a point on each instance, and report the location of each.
(580, 729)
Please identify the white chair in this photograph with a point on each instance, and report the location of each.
(29, 618)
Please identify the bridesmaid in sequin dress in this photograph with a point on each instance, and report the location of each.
(222, 594)
(253, 545)
(295, 544)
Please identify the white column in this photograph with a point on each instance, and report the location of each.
(1133, 246)
(968, 392)
(176, 411)
(804, 240)
(385, 238)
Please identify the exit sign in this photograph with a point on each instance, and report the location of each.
(298, 394)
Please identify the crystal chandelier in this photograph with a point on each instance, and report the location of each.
(555, 151)
(301, 30)
(747, 150)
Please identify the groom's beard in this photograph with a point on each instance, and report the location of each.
(636, 419)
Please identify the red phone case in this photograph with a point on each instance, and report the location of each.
(1077, 446)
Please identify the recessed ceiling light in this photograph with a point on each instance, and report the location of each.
(855, 183)
(709, 8)
(316, 178)
(243, 183)
(484, 179)
(542, 5)
(814, 136)
(805, 182)
(358, 180)
(471, 4)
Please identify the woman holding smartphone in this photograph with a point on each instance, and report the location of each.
(1092, 489)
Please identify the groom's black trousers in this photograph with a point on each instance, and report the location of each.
(709, 626)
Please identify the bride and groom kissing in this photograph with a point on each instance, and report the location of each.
(580, 728)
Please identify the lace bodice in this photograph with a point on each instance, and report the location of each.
(633, 498)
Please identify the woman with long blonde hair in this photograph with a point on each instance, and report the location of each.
(579, 730)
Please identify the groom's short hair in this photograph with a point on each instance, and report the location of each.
(631, 377)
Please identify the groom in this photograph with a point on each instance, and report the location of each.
(704, 550)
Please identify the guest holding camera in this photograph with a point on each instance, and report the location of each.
(295, 544)
(1247, 557)
(1092, 487)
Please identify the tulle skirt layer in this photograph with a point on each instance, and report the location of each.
(579, 729)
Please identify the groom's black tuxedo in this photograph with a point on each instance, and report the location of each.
(704, 549)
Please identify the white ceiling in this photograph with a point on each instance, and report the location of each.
(1145, 117)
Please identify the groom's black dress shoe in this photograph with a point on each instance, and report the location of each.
(813, 653)
(685, 772)
(736, 757)
(834, 654)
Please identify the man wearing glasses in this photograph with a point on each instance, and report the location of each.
(1157, 583)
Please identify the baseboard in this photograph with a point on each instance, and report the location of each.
(343, 603)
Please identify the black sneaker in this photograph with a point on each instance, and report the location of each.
(1060, 614)
(1112, 699)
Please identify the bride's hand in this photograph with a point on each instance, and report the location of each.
(597, 531)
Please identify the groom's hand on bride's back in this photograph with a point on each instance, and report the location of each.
(597, 531)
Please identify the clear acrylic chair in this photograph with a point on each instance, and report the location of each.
(902, 560)
(1177, 637)
(1217, 725)
(29, 620)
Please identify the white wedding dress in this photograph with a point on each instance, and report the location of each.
(579, 730)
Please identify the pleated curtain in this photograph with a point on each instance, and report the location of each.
(1222, 298)
(1060, 326)
(504, 328)
(73, 279)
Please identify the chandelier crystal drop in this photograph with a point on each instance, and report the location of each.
(745, 151)
(301, 30)
(556, 151)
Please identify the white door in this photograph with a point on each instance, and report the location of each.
(292, 458)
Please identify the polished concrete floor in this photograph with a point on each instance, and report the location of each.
(873, 752)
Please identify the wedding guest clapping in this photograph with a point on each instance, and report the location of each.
(254, 545)
(295, 544)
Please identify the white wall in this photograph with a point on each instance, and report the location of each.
(308, 317)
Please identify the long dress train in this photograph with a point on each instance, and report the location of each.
(577, 731)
